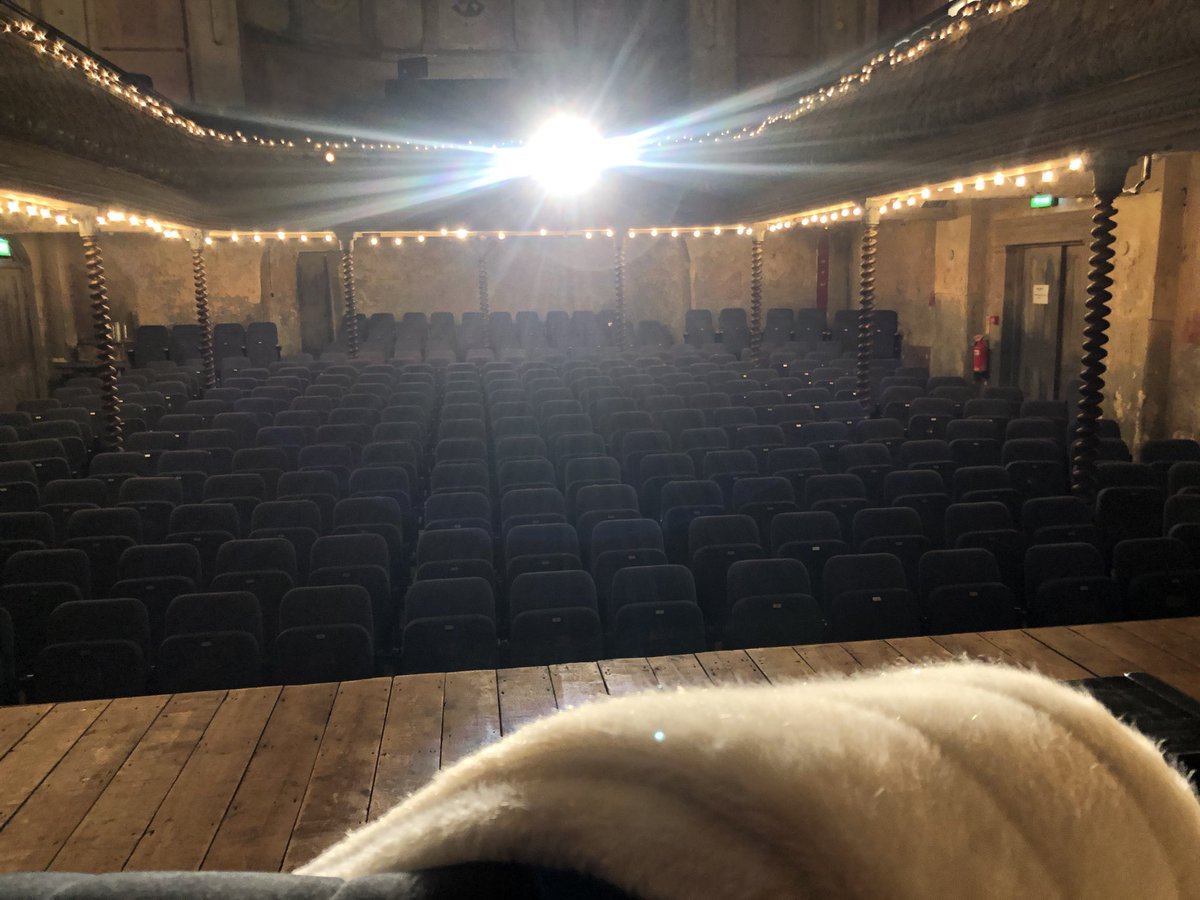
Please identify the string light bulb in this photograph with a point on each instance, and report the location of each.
(420, 238)
(675, 232)
(631, 234)
(542, 232)
(896, 204)
(926, 193)
(608, 232)
(858, 210)
(1047, 176)
(329, 238)
(396, 242)
(461, 234)
(958, 187)
(911, 201)
(208, 240)
(998, 179)
(257, 238)
(980, 184)
(1076, 164)
(500, 236)
(14, 206)
(445, 232)
(741, 229)
(1020, 181)
(696, 233)
(234, 237)
(281, 235)
(330, 157)
(304, 238)
(373, 240)
(588, 235)
(653, 232)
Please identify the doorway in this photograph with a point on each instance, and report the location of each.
(316, 277)
(1042, 331)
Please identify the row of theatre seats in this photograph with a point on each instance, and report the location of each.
(303, 522)
(256, 344)
(500, 335)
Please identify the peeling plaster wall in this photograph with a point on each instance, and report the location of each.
(150, 280)
(904, 281)
(664, 277)
(1182, 412)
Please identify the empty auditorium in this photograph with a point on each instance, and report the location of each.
(599, 449)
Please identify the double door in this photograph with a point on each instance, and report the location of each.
(1042, 330)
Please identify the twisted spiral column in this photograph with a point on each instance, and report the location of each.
(350, 316)
(866, 305)
(200, 280)
(756, 292)
(112, 433)
(619, 290)
(484, 299)
(1109, 182)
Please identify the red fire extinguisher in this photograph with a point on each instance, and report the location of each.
(981, 356)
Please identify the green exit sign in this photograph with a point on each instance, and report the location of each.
(1042, 201)
(5, 249)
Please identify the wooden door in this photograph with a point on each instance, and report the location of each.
(316, 277)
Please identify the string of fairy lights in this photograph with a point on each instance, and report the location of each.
(903, 53)
(48, 214)
(36, 37)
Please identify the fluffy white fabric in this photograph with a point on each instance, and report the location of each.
(958, 780)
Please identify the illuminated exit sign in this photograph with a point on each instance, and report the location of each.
(1043, 201)
(5, 249)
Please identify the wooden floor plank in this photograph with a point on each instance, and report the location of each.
(874, 654)
(920, 649)
(1033, 654)
(781, 664)
(1086, 654)
(828, 659)
(15, 722)
(1165, 635)
(42, 825)
(339, 790)
(1145, 656)
(472, 714)
(731, 667)
(410, 752)
(526, 695)
(182, 830)
(1189, 626)
(117, 820)
(679, 671)
(39, 751)
(577, 683)
(973, 646)
(627, 676)
(254, 833)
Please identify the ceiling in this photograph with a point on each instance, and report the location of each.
(1039, 79)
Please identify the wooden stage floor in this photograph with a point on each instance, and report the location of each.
(265, 778)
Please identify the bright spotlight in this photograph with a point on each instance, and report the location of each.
(566, 156)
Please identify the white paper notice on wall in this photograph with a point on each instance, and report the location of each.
(1041, 295)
